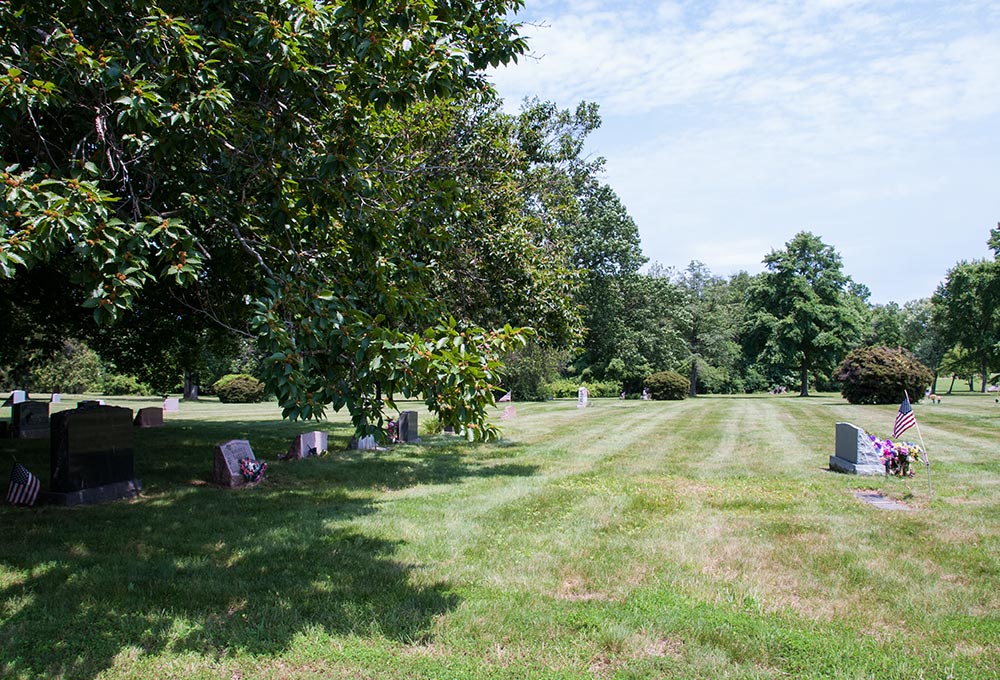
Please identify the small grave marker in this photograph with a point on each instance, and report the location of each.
(308, 444)
(855, 452)
(408, 431)
(56, 398)
(16, 397)
(171, 404)
(29, 420)
(151, 416)
(582, 397)
(227, 470)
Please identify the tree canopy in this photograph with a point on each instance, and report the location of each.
(803, 312)
(148, 146)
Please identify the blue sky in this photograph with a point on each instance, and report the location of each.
(730, 126)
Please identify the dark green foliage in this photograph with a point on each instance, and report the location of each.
(239, 388)
(528, 372)
(668, 385)
(879, 375)
(568, 388)
(121, 385)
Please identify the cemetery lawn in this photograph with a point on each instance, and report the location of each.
(695, 539)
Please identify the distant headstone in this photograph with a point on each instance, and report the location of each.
(151, 416)
(29, 420)
(855, 452)
(56, 398)
(408, 431)
(308, 444)
(582, 397)
(366, 443)
(228, 470)
(171, 404)
(16, 397)
(92, 456)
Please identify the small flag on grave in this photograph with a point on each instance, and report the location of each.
(904, 419)
(506, 397)
(24, 486)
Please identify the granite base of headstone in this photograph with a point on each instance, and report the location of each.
(226, 470)
(151, 416)
(171, 404)
(408, 431)
(29, 420)
(90, 403)
(308, 444)
(92, 456)
(855, 452)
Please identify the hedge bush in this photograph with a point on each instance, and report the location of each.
(122, 385)
(668, 385)
(239, 388)
(565, 388)
(879, 375)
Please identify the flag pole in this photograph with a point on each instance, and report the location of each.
(927, 462)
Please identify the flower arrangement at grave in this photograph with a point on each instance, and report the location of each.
(897, 456)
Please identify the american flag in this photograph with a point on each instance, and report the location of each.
(24, 486)
(904, 419)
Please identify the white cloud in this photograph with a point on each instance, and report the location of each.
(731, 125)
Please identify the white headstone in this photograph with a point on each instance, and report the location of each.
(56, 398)
(582, 397)
(308, 444)
(171, 404)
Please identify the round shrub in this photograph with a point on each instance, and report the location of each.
(668, 385)
(122, 385)
(239, 388)
(879, 375)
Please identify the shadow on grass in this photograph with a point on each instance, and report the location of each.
(189, 567)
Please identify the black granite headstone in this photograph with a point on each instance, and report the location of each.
(29, 420)
(92, 455)
(408, 431)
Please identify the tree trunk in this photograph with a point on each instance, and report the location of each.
(190, 386)
(804, 378)
(693, 377)
(984, 373)
(952, 385)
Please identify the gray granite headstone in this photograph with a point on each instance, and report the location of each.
(151, 416)
(92, 456)
(29, 420)
(408, 431)
(171, 404)
(308, 444)
(855, 452)
(56, 398)
(228, 455)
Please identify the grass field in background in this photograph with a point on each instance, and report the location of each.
(695, 539)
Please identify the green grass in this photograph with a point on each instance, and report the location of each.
(695, 539)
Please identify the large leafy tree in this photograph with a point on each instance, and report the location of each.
(804, 313)
(967, 308)
(709, 328)
(147, 146)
